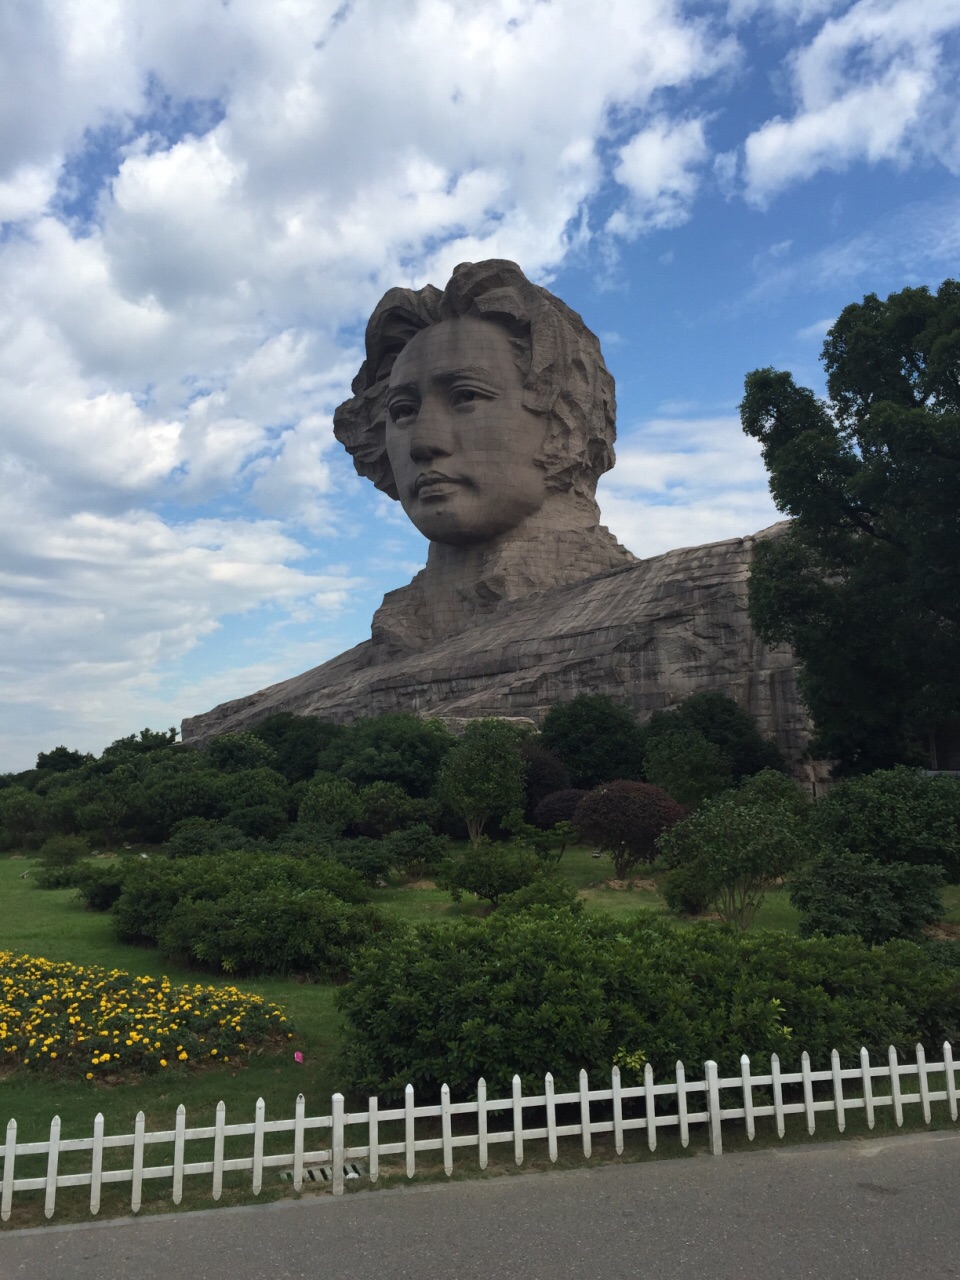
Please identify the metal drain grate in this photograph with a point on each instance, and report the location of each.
(324, 1172)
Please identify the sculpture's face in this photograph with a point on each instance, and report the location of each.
(460, 442)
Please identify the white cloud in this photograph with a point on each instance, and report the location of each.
(682, 481)
(871, 85)
(235, 186)
(818, 330)
(658, 166)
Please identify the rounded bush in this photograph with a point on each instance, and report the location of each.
(627, 818)
(558, 806)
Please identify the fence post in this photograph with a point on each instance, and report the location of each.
(10, 1155)
(259, 1119)
(517, 1088)
(409, 1138)
(713, 1108)
(617, 1099)
(299, 1116)
(53, 1156)
(373, 1115)
(482, 1122)
(951, 1079)
(446, 1125)
(585, 1115)
(336, 1142)
(96, 1163)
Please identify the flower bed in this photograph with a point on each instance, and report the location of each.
(98, 1022)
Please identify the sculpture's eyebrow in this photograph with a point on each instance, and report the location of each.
(465, 371)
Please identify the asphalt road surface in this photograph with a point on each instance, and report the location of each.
(860, 1210)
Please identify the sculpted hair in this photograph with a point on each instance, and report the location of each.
(564, 376)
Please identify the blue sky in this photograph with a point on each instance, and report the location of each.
(200, 203)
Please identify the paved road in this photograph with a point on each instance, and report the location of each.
(863, 1210)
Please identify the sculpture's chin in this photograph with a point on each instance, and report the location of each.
(458, 523)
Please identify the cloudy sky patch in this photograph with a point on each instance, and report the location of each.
(200, 203)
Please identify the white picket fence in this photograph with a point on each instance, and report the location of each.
(694, 1102)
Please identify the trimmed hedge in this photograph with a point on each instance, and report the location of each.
(549, 991)
(246, 913)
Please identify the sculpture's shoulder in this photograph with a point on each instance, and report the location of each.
(650, 631)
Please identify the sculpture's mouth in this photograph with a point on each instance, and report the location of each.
(434, 484)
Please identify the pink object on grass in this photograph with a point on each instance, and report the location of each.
(298, 1056)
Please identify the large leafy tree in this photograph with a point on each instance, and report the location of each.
(483, 774)
(597, 739)
(865, 582)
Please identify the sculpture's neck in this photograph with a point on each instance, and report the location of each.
(558, 545)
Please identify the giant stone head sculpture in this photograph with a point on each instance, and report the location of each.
(480, 406)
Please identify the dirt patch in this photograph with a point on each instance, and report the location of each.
(943, 932)
(645, 886)
(421, 884)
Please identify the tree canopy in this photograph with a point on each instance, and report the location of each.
(595, 738)
(864, 584)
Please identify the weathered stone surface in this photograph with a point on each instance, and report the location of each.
(649, 634)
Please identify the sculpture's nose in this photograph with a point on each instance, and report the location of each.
(431, 435)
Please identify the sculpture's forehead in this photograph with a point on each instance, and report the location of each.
(463, 343)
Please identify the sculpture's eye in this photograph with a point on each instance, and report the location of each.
(402, 410)
(463, 395)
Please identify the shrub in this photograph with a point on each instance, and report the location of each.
(191, 837)
(491, 871)
(740, 843)
(684, 891)
(100, 884)
(370, 859)
(552, 892)
(559, 806)
(277, 929)
(153, 890)
(330, 802)
(626, 818)
(843, 892)
(537, 992)
(416, 851)
(63, 851)
(894, 815)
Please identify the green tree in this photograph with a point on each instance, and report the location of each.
(62, 760)
(864, 584)
(724, 723)
(231, 752)
(400, 748)
(596, 739)
(893, 816)
(482, 776)
(331, 803)
(298, 742)
(738, 844)
(687, 765)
